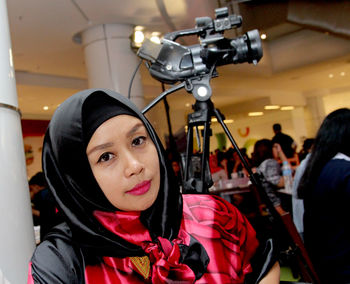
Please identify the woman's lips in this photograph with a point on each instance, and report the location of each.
(140, 188)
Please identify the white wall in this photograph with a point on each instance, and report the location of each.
(335, 101)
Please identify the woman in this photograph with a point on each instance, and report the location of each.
(126, 221)
(325, 187)
(264, 158)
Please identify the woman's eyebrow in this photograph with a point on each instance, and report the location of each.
(110, 144)
(134, 129)
(100, 147)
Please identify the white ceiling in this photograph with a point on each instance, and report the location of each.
(298, 57)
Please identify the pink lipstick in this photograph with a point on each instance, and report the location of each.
(140, 188)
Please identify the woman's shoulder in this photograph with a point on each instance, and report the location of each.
(223, 231)
(57, 259)
(267, 164)
(270, 162)
(208, 201)
(340, 160)
(338, 167)
(207, 210)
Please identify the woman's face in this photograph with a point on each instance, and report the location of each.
(125, 163)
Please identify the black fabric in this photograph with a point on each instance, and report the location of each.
(48, 215)
(98, 109)
(195, 257)
(74, 188)
(326, 222)
(263, 260)
(58, 259)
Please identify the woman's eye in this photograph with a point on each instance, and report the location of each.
(138, 141)
(105, 157)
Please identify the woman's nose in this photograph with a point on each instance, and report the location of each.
(133, 165)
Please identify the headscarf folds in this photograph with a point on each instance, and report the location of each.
(74, 187)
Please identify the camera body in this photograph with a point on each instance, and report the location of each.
(171, 62)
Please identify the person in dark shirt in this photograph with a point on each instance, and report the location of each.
(36, 185)
(44, 209)
(287, 143)
(325, 188)
(307, 145)
(266, 165)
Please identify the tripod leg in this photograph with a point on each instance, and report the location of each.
(189, 150)
(205, 155)
(198, 139)
(286, 219)
(233, 142)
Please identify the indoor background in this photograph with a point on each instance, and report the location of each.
(305, 67)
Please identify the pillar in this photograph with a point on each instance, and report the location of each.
(299, 125)
(110, 61)
(17, 233)
(316, 108)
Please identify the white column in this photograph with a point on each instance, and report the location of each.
(16, 224)
(298, 119)
(316, 107)
(110, 62)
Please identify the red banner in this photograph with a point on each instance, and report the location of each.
(34, 127)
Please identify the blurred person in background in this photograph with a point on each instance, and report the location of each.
(44, 209)
(287, 143)
(217, 166)
(36, 183)
(264, 160)
(306, 148)
(325, 187)
(298, 203)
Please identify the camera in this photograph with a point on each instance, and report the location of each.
(194, 66)
(171, 62)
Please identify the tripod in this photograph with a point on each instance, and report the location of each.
(204, 111)
(199, 182)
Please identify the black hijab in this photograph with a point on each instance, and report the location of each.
(74, 187)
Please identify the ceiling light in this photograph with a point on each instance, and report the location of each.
(255, 113)
(342, 73)
(263, 36)
(228, 121)
(287, 108)
(187, 104)
(155, 37)
(45, 107)
(269, 107)
(214, 119)
(139, 37)
(330, 75)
